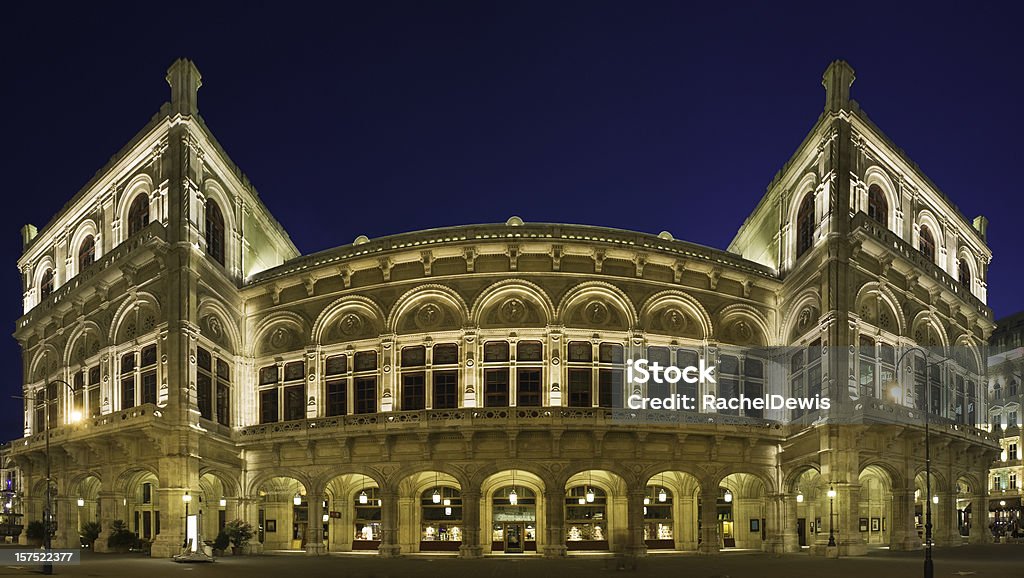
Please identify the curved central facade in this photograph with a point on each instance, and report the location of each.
(465, 389)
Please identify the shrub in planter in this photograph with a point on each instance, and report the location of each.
(239, 532)
(121, 539)
(88, 533)
(221, 543)
(35, 532)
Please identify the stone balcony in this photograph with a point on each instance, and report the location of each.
(866, 227)
(511, 419)
(135, 419)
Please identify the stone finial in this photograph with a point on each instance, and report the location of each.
(185, 80)
(837, 80)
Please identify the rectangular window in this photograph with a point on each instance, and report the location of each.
(337, 397)
(687, 358)
(495, 351)
(366, 361)
(336, 365)
(149, 387)
(446, 354)
(366, 393)
(79, 397)
(528, 389)
(580, 351)
(223, 392)
(446, 389)
(610, 353)
(94, 392)
(204, 392)
(579, 388)
(529, 351)
(414, 356)
(295, 402)
(610, 388)
(223, 403)
(295, 371)
(496, 387)
(414, 391)
(867, 367)
(128, 381)
(268, 375)
(268, 406)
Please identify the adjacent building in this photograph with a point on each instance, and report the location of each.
(463, 389)
(1006, 374)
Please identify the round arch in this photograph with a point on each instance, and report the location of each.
(496, 294)
(683, 301)
(369, 318)
(575, 297)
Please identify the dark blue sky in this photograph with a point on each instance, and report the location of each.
(378, 117)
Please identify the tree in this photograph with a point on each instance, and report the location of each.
(121, 539)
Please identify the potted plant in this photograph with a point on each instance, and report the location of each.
(121, 539)
(35, 532)
(89, 533)
(240, 532)
(221, 543)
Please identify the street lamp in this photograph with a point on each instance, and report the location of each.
(929, 566)
(831, 531)
(48, 509)
(186, 498)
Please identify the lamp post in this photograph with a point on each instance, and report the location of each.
(929, 565)
(831, 531)
(186, 498)
(48, 509)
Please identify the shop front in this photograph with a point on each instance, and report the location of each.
(586, 518)
(367, 519)
(658, 519)
(441, 520)
(514, 520)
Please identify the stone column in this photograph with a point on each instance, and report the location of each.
(780, 519)
(109, 505)
(847, 509)
(470, 547)
(67, 523)
(979, 519)
(686, 538)
(554, 524)
(946, 531)
(315, 525)
(635, 545)
(389, 524)
(709, 538)
(903, 532)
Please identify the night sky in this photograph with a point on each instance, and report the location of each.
(377, 117)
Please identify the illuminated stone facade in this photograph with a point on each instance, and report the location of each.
(392, 394)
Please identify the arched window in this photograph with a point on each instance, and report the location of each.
(965, 274)
(86, 253)
(927, 243)
(878, 207)
(214, 232)
(138, 214)
(805, 225)
(46, 284)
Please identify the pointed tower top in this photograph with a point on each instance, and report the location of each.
(837, 80)
(185, 80)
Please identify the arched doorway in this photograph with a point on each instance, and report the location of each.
(595, 511)
(284, 514)
(741, 512)
(875, 508)
(354, 517)
(670, 511)
(514, 512)
(432, 520)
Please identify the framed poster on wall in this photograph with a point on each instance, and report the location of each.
(876, 524)
(863, 524)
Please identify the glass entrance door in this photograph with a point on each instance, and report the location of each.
(513, 538)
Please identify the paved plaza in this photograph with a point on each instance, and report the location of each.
(1003, 561)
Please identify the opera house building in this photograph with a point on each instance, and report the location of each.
(467, 390)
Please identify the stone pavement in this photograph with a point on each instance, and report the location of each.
(1002, 561)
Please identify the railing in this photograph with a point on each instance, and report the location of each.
(137, 416)
(504, 417)
(154, 230)
(881, 233)
(879, 411)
